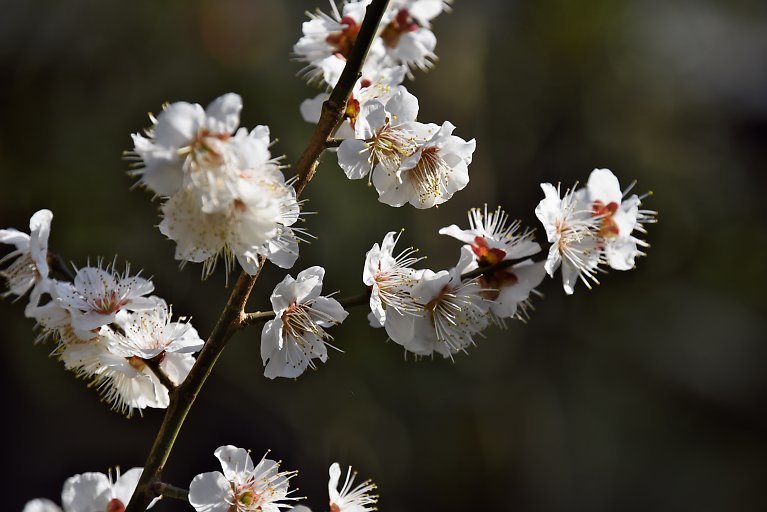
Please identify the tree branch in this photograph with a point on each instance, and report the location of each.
(154, 365)
(501, 265)
(231, 317)
(171, 491)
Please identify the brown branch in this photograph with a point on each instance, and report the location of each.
(256, 318)
(171, 491)
(501, 265)
(232, 316)
(154, 365)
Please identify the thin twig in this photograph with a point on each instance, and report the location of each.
(333, 143)
(58, 264)
(154, 365)
(171, 491)
(501, 265)
(231, 317)
(258, 317)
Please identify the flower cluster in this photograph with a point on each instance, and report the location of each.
(592, 227)
(441, 312)
(106, 325)
(92, 492)
(223, 193)
(247, 487)
(407, 161)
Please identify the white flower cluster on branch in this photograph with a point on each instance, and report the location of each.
(407, 161)
(223, 195)
(106, 325)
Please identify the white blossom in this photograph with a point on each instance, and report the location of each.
(452, 312)
(431, 175)
(296, 336)
(383, 136)
(29, 260)
(348, 498)
(406, 42)
(379, 86)
(236, 233)
(390, 278)
(97, 295)
(242, 487)
(618, 218)
(492, 239)
(187, 144)
(328, 40)
(93, 492)
(573, 233)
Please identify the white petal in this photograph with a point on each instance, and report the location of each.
(353, 158)
(210, 492)
(125, 486)
(234, 461)
(41, 505)
(225, 110)
(88, 491)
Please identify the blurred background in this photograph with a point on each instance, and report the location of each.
(647, 393)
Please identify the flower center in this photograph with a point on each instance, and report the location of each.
(334, 508)
(428, 174)
(401, 24)
(206, 149)
(609, 227)
(296, 321)
(343, 41)
(108, 304)
(115, 505)
(388, 146)
(485, 254)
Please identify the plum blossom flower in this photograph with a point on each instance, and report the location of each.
(348, 498)
(236, 233)
(573, 233)
(296, 336)
(383, 137)
(493, 239)
(431, 175)
(406, 42)
(328, 39)
(242, 487)
(121, 371)
(378, 86)
(452, 312)
(187, 143)
(29, 268)
(390, 278)
(618, 218)
(98, 294)
(93, 492)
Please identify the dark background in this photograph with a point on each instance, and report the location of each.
(647, 393)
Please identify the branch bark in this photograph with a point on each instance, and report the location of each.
(231, 318)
